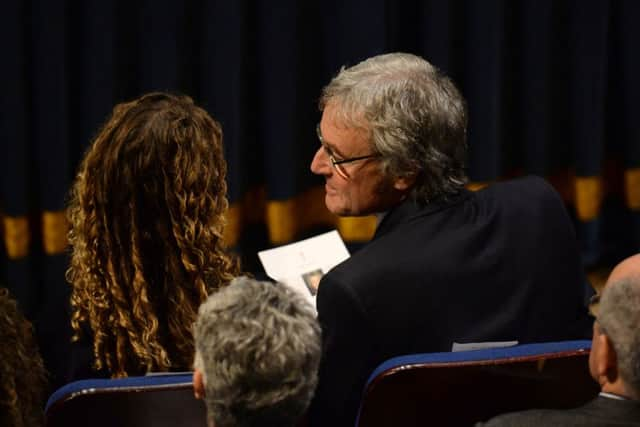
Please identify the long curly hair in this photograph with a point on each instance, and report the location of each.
(147, 215)
(23, 380)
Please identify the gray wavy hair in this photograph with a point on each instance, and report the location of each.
(416, 118)
(619, 318)
(258, 347)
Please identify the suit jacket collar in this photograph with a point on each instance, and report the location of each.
(409, 209)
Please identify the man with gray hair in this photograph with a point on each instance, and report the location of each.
(614, 361)
(257, 355)
(446, 266)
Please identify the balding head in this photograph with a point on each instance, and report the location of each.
(627, 268)
(618, 319)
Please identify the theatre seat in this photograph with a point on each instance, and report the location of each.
(158, 401)
(459, 389)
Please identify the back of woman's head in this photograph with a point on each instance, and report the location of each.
(147, 216)
(22, 375)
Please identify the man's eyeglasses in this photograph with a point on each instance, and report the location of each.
(336, 163)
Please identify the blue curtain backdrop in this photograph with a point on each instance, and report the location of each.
(552, 89)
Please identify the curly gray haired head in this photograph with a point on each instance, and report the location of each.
(619, 318)
(258, 347)
(415, 115)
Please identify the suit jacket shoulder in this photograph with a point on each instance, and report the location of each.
(601, 412)
(500, 264)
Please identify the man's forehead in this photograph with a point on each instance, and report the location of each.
(329, 130)
(343, 117)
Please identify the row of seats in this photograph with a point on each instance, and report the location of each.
(446, 389)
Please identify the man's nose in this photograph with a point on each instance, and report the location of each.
(320, 165)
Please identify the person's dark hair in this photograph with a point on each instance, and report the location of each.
(258, 348)
(619, 318)
(414, 114)
(147, 215)
(23, 379)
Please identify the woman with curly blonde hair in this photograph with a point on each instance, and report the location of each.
(22, 374)
(147, 216)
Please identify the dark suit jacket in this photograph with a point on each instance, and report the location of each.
(495, 265)
(601, 412)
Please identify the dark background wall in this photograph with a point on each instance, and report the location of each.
(552, 89)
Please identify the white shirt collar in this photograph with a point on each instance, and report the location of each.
(613, 396)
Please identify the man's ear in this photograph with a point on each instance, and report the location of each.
(198, 384)
(605, 361)
(609, 359)
(403, 183)
(599, 354)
